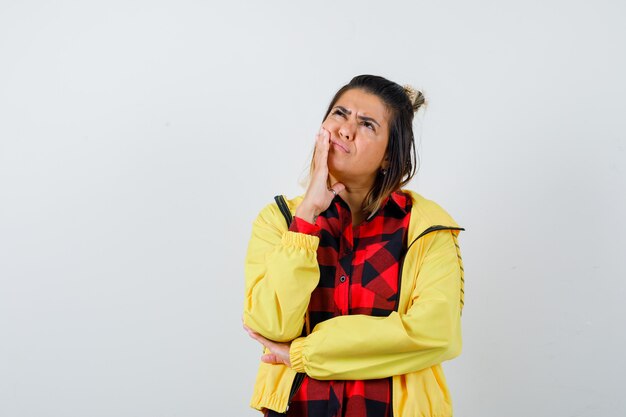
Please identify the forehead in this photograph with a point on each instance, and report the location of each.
(364, 103)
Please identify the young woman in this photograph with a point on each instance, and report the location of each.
(358, 298)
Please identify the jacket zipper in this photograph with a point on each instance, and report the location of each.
(298, 380)
(284, 209)
(295, 386)
(425, 232)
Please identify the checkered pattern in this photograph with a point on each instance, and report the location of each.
(359, 272)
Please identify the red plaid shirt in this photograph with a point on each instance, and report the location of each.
(359, 274)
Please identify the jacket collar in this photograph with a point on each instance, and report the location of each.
(425, 214)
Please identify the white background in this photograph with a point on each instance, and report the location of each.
(138, 140)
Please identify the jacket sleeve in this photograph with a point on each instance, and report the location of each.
(281, 271)
(365, 347)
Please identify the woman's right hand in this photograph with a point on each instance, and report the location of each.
(318, 196)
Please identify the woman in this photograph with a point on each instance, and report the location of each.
(358, 299)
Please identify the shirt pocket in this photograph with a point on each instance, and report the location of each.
(379, 278)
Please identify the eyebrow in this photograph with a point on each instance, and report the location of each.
(369, 119)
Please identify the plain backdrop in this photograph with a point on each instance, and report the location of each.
(139, 139)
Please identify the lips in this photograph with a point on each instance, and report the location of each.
(340, 146)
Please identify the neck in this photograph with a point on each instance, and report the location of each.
(354, 195)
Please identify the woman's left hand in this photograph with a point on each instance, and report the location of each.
(279, 351)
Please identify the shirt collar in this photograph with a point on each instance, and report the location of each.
(400, 199)
(396, 200)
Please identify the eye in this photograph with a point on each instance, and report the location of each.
(369, 125)
(339, 112)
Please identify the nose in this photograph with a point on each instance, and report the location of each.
(347, 130)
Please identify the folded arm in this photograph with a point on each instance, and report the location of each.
(281, 272)
(365, 347)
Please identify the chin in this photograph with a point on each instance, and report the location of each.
(341, 176)
(336, 171)
(338, 163)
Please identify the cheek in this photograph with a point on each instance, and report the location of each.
(329, 124)
(377, 152)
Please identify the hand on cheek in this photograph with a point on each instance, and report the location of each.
(318, 196)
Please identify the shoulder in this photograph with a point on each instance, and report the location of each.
(270, 214)
(428, 213)
(293, 203)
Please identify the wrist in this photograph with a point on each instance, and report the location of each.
(306, 213)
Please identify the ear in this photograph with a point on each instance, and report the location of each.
(385, 163)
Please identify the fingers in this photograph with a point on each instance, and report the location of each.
(320, 168)
(322, 147)
(270, 358)
(338, 188)
(274, 358)
(279, 352)
(262, 340)
(252, 333)
(248, 330)
(323, 139)
(257, 337)
(318, 196)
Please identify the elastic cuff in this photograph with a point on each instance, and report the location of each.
(295, 354)
(301, 240)
(302, 226)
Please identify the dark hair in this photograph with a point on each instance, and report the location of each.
(401, 103)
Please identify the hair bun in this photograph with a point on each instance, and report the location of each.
(416, 97)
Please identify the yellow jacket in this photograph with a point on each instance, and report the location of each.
(281, 272)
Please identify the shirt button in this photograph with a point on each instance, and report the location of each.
(342, 279)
